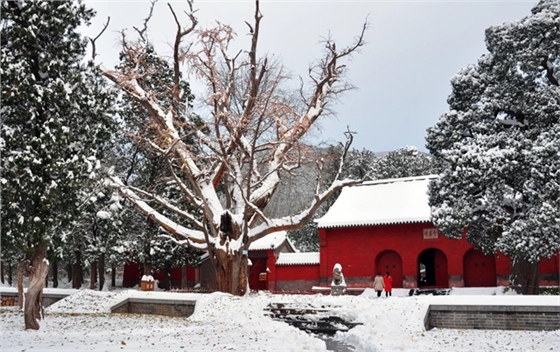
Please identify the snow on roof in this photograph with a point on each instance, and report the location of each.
(390, 201)
(298, 258)
(270, 241)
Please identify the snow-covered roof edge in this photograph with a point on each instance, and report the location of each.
(270, 241)
(306, 258)
(377, 205)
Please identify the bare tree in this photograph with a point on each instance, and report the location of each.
(250, 137)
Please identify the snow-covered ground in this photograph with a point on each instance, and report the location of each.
(82, 322)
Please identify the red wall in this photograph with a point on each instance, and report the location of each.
(359, 249)
(550, 271)
(296, 278)
(131, 274)
(297, 272)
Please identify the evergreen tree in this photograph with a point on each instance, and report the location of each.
(97, 238)
(403, 162)
(56, 116)
(499, 145)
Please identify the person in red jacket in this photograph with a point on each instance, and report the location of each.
(388, 281)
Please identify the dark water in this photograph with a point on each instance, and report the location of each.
(319, 323)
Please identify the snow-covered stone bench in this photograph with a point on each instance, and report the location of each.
(349, 290)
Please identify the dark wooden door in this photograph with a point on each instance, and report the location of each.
(479, 269)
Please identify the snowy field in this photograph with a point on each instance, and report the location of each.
(82, 322)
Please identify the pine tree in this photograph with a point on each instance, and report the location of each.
(56, 115)
(403, 162)
(499, 145)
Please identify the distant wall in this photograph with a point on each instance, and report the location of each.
(536, 318)
(296, 278)
(358, 249)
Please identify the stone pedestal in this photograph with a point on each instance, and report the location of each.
(338, 290)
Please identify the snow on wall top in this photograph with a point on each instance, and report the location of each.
(270, 241)
(390, 201)
(298, 258)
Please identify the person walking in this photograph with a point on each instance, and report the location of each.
(378, 284)
(388, 281)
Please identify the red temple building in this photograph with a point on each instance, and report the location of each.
(376, 227)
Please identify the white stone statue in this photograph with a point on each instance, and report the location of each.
(338, 285)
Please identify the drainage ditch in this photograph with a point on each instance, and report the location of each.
(322, 322)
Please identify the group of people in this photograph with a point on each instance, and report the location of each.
(381, 283)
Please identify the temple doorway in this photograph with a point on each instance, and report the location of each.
(390, 261)
(432, 269)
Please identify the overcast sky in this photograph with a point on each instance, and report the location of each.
(402, 75)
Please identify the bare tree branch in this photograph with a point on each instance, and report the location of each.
(93, 49)
(144, 29)
(230, 168)
(176, 59)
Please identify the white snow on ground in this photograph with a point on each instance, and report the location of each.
(82, 322)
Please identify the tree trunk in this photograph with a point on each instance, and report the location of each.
(524, 278)
(101, 269)
(77, 271)
(34, 298)
(2, 271)
(55, 274)
(183, 277)
(10, 274)
(47, 280)
(231, 268)
(167, 276)
(92, 275)
(21, 268)
(147, 269)
(113, 276)
(69, 271)
(231, 272)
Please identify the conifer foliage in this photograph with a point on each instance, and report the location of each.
(56, 117)
(499, 145)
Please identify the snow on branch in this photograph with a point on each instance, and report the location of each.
(186, 242)
(177, 55)
(325, 75)
(168, 205)
(296, 221)
(230, 161)
(167, 224)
